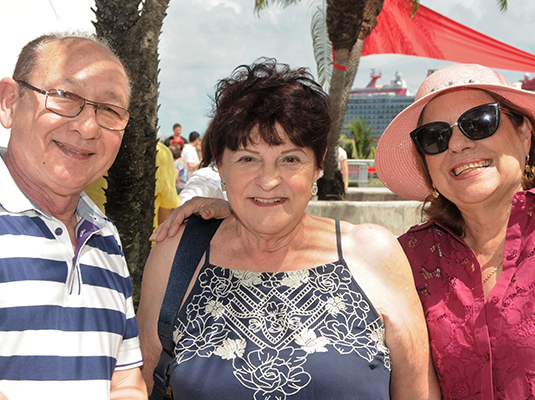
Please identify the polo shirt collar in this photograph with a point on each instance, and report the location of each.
(11, 197)
(13, 200)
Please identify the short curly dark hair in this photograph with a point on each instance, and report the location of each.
(260, 95)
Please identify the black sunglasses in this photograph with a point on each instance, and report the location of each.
(477, 123)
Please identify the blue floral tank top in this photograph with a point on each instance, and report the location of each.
(302, 334)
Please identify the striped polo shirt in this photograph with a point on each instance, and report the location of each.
(66, 319)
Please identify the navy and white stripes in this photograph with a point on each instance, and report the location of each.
(66, 319)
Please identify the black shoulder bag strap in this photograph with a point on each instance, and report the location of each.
(192, 246)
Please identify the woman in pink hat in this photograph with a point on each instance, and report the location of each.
(464, 147)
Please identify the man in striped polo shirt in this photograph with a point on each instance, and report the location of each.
(67, 323)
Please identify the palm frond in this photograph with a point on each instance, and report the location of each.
(503, 5)
(348, 144)
(263, 4)
(415, 5)
(320, 42)
(362, 133)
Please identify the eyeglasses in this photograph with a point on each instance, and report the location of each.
(70, 105)
(477, 123)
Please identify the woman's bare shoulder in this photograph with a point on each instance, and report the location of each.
(375, 237)
(375, 252)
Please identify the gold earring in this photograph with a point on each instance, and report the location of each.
(223, 185)
(435, 193)
(314, 189)
(527, 168)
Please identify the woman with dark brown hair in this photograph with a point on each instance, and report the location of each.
(286, 305)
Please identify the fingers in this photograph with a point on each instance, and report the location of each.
(159, 234)
(171, 225)
(207, 207)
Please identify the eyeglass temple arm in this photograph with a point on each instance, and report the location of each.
(32, 87)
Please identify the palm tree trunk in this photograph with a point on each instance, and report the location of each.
(349, 23)
(331, 185)
(134, 34)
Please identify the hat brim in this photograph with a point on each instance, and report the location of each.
(397, 160)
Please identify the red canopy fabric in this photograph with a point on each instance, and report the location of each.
(433, 35)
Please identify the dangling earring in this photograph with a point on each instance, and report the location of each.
(314, 189)
(435, 193)
(223, 185)
(527, 168)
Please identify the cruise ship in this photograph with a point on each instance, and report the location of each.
(378, 105)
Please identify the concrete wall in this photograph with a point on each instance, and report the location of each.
(371, 194)
(395, 215)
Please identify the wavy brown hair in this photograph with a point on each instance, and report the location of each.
(256, 97)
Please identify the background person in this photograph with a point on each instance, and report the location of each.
(465, 147)
(278, 288)
(343, 167)
(181, 171)
(190, 152)
(205, 182)
(67, 326)
(175, 138)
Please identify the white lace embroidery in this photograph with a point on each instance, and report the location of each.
(267, 325)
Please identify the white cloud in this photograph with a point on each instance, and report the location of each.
(209, 5)
(204, 40)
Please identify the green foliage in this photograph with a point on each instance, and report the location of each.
(502, 4)
(361, 146)
(323, 52)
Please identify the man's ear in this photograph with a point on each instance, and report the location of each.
(8, 97)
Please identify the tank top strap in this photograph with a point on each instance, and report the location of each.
(207, 255)
(339, 240)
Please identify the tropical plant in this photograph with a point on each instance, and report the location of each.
(348, 23)
(348, 144)
(502, 4)
(362, 146)
(133, 28)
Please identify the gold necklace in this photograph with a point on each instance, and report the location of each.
(492, 272)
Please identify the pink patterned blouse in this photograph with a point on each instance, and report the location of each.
(481, 349)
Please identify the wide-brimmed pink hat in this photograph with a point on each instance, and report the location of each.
(397, 159)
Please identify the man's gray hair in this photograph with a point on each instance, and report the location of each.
(30, 54)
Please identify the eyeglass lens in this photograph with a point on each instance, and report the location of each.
(477, 123)
(70, 105)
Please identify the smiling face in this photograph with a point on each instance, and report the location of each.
(269, 187)
(474, 172)
(54, 154)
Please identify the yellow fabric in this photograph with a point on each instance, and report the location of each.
(166, 195)
(95, 191)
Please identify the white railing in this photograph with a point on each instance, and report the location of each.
(360, 171)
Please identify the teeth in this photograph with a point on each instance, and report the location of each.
(68, 148)
(267, 200)
(482, 164)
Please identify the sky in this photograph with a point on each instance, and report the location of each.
(204, 40)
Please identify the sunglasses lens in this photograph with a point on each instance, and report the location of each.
(480, 122)
(477, 123)
(432, 138)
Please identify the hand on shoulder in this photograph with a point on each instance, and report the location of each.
(207, 207)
